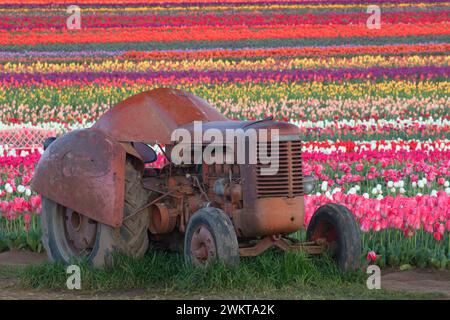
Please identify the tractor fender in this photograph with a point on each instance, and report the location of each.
(84, 170)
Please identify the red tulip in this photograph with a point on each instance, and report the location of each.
(437, 236)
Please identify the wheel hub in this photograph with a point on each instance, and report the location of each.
(325, 233)
(203, 248)
(80, 231)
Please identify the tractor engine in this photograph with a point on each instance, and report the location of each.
(258, 204)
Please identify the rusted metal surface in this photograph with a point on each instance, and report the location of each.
(203, 247)
(282, 128)
(258, 248)
(84, 171)
(80, 232)
(162, 218)
(276, 215)
(282, 243)
(152, 116)
(288, 179)
(326, 234)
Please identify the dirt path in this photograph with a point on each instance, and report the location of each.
(418, 280)
(414, 281)
(21, 258)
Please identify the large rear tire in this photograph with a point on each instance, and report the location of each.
(209, 237)
(68, 235)
(336, 225)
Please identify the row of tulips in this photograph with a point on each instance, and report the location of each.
(28, 135)
(373, 74)
(112, 47)
(58, 21)
(440, 125)
(270, 63)
(213, 33)
(397, 112)
(283, 52)
(79, 97)
(213, 3)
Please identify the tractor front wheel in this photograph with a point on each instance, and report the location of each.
(335, 225)
(209, 237)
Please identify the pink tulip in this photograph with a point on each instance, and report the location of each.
(35, 202)
(371, 256)
(27, 218)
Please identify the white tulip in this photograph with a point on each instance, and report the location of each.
(414, 184)
(324, 186)
(366, 195)
(20, 189)
(390, 184)
(402, 190)
(28, 192)
(446, 184)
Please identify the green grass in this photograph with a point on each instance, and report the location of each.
(272, 275)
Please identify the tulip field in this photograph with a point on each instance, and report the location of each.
(373, 105)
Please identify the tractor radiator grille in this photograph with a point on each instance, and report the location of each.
(288, 180)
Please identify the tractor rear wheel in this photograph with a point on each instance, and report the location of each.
(336, 225)
(209, 237)
(69, 235)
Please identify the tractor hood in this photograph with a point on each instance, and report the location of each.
(152, 116)
(286, 131)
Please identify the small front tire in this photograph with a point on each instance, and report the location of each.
(209, 237)
(336, 225)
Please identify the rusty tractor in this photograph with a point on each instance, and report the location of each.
(99, 196)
